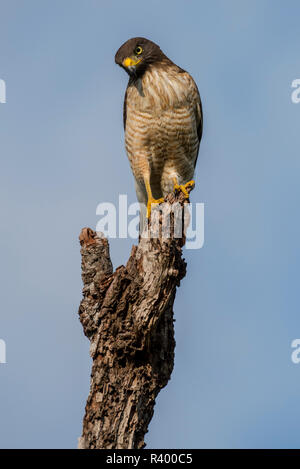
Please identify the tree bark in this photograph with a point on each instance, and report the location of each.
(128, 317)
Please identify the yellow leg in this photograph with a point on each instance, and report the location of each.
(151, 200)
(183, 187)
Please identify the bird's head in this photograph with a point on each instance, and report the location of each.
(136, 54)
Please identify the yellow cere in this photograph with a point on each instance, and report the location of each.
(129, 62)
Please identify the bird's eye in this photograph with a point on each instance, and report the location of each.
(138, 50)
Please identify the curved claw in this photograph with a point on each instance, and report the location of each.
(151, 201)
(183, 187)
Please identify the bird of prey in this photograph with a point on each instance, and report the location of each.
(162, 120)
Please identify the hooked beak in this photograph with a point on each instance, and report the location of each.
(130, 63)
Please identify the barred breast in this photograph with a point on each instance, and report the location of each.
(163, 114)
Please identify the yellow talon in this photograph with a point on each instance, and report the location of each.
(151, 201)
(183, 187)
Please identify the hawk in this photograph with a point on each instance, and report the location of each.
(163, 121)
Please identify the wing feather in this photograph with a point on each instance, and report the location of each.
(125, 109)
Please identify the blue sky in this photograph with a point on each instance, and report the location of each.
(62, 153)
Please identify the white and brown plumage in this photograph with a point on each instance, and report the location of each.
(162, 121)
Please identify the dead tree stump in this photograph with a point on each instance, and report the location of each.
(128, 317)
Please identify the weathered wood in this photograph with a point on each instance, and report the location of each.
(128, 317)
